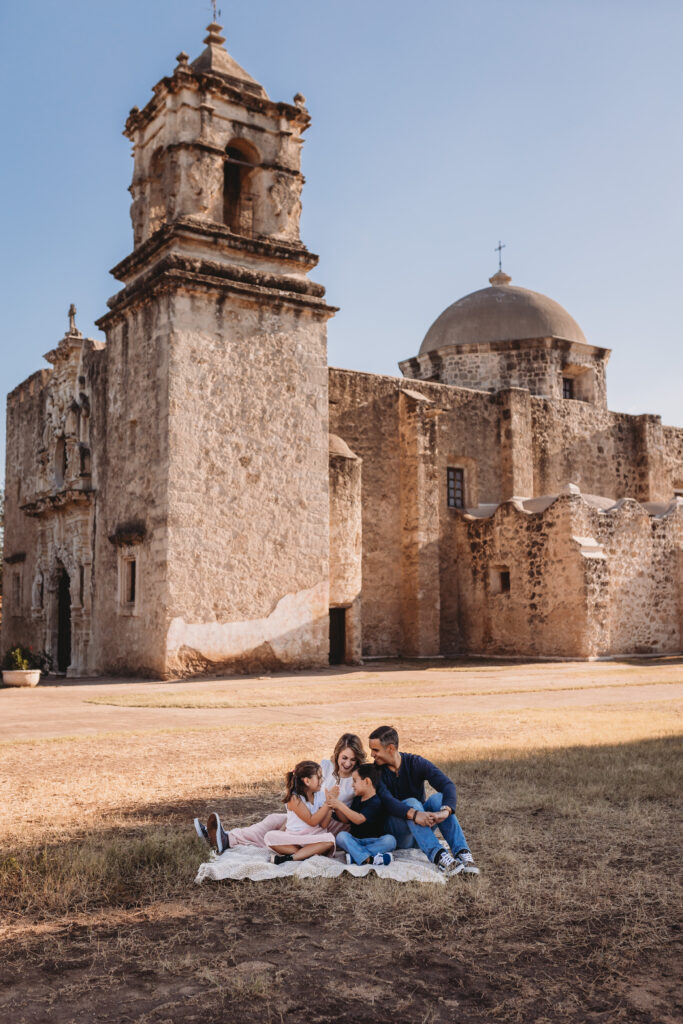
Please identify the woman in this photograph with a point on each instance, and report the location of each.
(348, 753)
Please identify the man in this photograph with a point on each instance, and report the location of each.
(411, 818)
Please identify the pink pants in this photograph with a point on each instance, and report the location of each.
(254, 835)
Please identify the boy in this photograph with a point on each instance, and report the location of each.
(364, 843)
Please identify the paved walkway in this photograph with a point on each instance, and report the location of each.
(65, 709)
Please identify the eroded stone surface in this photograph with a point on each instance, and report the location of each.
(176, 503)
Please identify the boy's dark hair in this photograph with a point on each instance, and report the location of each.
(369, 771)
(386, 734)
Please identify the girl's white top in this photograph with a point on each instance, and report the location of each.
(295, 823)
(345, 785)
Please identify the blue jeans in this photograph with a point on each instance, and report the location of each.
(408, 834)
(361, 849)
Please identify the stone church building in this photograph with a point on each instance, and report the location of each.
(202, 493)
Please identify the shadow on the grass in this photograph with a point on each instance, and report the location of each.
(574, 910)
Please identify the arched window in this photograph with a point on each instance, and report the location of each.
(240, 161)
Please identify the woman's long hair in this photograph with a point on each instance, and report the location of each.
(353, 742)
(294, 784)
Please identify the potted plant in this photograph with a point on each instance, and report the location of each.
(22, 667)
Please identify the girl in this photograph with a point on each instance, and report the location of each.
(308, 816)
(337, 771)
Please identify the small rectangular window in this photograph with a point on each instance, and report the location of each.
(499, 577)
(456, 487)
(567, 387)
(130, 581)
(16, 590)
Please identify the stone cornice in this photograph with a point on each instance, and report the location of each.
(70, 496)
(194, 229)
(232, 90)
(175, 272)
(563, 344)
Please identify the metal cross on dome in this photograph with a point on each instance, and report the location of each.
(216, 10)
(499, 249)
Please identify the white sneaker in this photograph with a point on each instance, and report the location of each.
(381, 860)
(447, 864)
(467, 861)
(349, 858)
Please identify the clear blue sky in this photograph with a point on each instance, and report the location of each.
(438, 128)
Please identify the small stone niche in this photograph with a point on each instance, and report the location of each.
(499, 579)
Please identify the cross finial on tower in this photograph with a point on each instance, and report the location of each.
(499, 249)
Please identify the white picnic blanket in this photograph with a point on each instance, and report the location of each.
(251, 862)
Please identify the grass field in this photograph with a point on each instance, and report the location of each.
(572, 812)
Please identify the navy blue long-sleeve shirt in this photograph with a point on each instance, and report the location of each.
(409, 781)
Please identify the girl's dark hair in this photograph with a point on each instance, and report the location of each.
(354, 743)
(294, 784)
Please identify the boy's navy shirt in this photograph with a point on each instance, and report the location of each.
(409, 781)
(374, 813)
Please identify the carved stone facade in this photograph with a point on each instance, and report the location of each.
(176, 503)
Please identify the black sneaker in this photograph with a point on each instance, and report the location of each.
(280, 858)
(201, 830)
(447, 864)
(467, 861)
(218, 837)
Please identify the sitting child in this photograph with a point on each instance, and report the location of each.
(308, 816)
(364, 843)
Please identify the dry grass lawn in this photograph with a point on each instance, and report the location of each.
(572, 813)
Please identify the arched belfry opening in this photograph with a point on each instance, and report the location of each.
(241, 160)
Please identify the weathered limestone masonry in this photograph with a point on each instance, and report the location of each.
(518, 576)
(219, 278)
(203, 494)
(168, 504)
(50, 511)
(581, 580)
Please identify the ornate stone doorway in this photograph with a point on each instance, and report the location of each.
(63, 621)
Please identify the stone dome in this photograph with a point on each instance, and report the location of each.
(502, 312)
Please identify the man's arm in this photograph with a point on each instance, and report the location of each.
(437, 780)
(396, 808)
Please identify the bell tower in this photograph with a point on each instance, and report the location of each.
(217, 380)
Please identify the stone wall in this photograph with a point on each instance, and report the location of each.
(132, 457)
(672, 438)
(580, 581)
(50, 506)
(248, 484)
(510, 443)
(522, 581)
(537, 364)
(25, 417)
